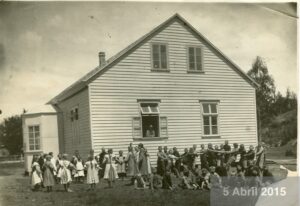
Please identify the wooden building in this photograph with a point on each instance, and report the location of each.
(173, 79)
(40, 133)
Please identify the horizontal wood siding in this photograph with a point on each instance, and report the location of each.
(83, 142)
(113, 96)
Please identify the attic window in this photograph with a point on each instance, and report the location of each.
(195, 59)
(74, 115)
(159, 56)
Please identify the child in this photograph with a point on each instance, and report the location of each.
(214, 178)
(240, 176)
(203, 181)
(48, 174)
(110, 173)
(79, 170)
(167, 180)
(65, 173)
(36, 174)
(53, 161)
(92, 172)
(121, 165)
(155, 179)
(58, 162)
(188, 181)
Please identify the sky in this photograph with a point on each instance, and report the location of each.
(46, 46)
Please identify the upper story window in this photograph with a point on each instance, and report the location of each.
(210, 118)
(34, 137)
(159, 56)
(195, 60)
(74, 114)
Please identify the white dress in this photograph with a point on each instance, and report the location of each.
(110, 167)
(64, 172)
(92, 172)
(53, 161)
(79, 169)
(36, 176)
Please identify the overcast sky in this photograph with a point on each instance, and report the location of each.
(46, 46)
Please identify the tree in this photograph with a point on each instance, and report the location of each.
(265, 93)
(11, 134)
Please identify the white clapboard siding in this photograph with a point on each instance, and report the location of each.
(113, 97)
(82, 127)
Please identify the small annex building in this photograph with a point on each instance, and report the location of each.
(40, 133)
(172, 87)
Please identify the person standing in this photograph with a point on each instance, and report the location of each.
(227, 148)
(260, 158)
(196, 162)
(160, 161)
(48, 174)
(65, 173)
(101, 162)
(36, 174)
(121, 165)
(110, 173)
(130, 160)
(92, 177)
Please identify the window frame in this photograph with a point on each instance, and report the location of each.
(73, 116)
(209, 102)
(40, 138)
(140, 118)
(154, 114)
(201, 71)
(167, 57)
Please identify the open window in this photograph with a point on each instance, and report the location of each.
(150, 124)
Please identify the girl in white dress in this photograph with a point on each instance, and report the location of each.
(121, 165)
(79, 170)
(65, 173)
(110, 173)
(92, 172)
(36, 175)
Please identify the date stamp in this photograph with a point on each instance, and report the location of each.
(254, 191)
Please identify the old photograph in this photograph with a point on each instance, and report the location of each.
(148, 103)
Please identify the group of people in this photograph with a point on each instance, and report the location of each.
(203, 168)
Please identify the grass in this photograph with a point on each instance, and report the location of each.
(15, 190)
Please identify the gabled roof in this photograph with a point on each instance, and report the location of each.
(85, 80)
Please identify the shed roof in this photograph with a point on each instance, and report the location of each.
(40, 109)
(86, 79)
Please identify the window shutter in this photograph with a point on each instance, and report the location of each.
(136, 127)
(163, 127)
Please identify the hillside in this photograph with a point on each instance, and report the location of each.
(281, 129)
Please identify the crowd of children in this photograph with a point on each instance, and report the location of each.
(203, 168)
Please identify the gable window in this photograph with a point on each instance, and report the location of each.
(210, 118)
(74, 114)
(159, 56)
(150, 124)
(34, 137)
(195, 59)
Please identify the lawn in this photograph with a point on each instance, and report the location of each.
(15, 190)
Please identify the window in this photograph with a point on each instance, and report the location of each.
(74, 114)
(150, 124)
(159, 56)
(195, 58)
(210, 118)
(34, 137)
(75, 126)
